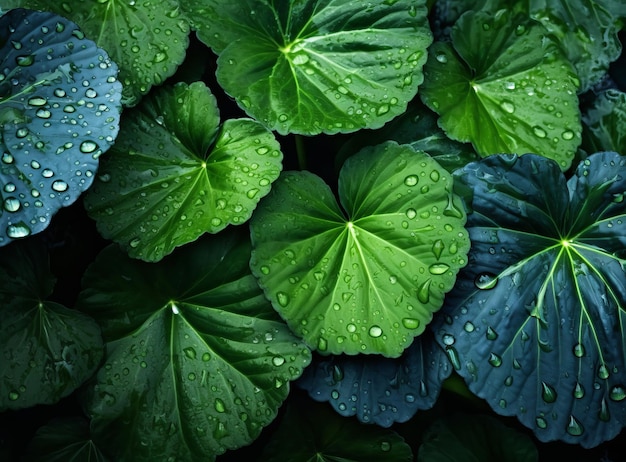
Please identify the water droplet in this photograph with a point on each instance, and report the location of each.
(375, 331)
(14, 395)
(494, 360)
(37, 101)
(574, 427)
(283, 299)
(206, 357)
(448, 339)
(491, 334)
(453, 355)
(441, 57)
(423, 291)
(579, 350)
(437, 248)
(579, 391)
(383, 109)
(541, 423)
(300, 59)
(411, 213)
(434, 176)
(87, 147)
(410, 323)
(60, 186)
(485, 281)
(567, 135)
(603, 372)
(252, 193)
(539, 132)
(548, 393)
(190, 352)
(283, 118)
(25, 60)
(507, 106)
(617, 393)
(278, 361)
(18, 230)
(411, 180)
(134, 243)
(604, 414)
(385, 446)
(322, 344)
(219, 405)
(12, 204)
(438, 268)
(469, 327)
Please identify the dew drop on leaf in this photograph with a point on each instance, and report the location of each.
(548, 393)
(495, 360)
(438, 268)
(574, 427)
(219, 405)
(375, 331)
(410, 323)
(411, 180)
(539, 132)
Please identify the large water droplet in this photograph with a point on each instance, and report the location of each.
(539, 132)
(18, 230)
(219, 405)
(574, 427)
(548, 393)
(423, 291)
(617, 393)
(12, 204)
(87, 147)
(453, 355)
(495, 360)
(411, 180)
(410, 323)
(438, 248)
(283, 299)
(438, 268)
(579, 391)
(507, 106)
(491, 334)
(375, 331)
(485, 281)
(190, 352)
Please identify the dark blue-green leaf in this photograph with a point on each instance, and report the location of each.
(380, 390)
(59, 111)
(535, 323)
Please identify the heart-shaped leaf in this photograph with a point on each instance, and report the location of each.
(176, 173)
(317, 65)
(48, 350)
(380, 390)
(370, 282)
(535, 324)
(59, 110)
(504, 85)
(197, 360)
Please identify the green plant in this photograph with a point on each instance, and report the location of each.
(404, 209)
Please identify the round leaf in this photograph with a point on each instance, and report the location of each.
(319, 65)
(535, 324)
(368, 283)
(380, 390)
(59, 110)
(175, 173)
(504, 85)
(48, 350)
(197, 360)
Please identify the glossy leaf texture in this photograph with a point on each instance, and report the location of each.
(418, 128)
(504, 85)
(604, 123)
(367, 281)
(197, 360)
(310, 432)
(59, 111)
(176, 173)
(62, 440)
(535, 323)
(316, 66)
(474, 437)
(147, 39)
(48, 350)
(380, 390)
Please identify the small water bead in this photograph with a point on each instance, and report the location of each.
(579, 391)
(507, 106)
(579, 350)
(219, 405)
(603, 372)
(441, 57)
(541, 423)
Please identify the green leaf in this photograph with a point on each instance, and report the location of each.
(48, 350)
(62, 440)
(474, 438)
(535, 324)
(604, 124)
(380, 390)
(315, 434)
(587, 31)
(197, 360)
(317, 65)
(504, 85)
(418, 128)
(368, 283)
(59, 110)
(175, 173)
(147, 39)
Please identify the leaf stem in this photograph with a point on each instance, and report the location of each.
(301, 152)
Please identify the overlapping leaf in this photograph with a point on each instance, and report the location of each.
(147, 39)
(504, 85)
(535, 323)
(380, 390)
(604, 123)
(176, 173)
(59, 110)
(318, 65)
(313, 433)
(48, 350)
(197, 360)
(367, 281)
